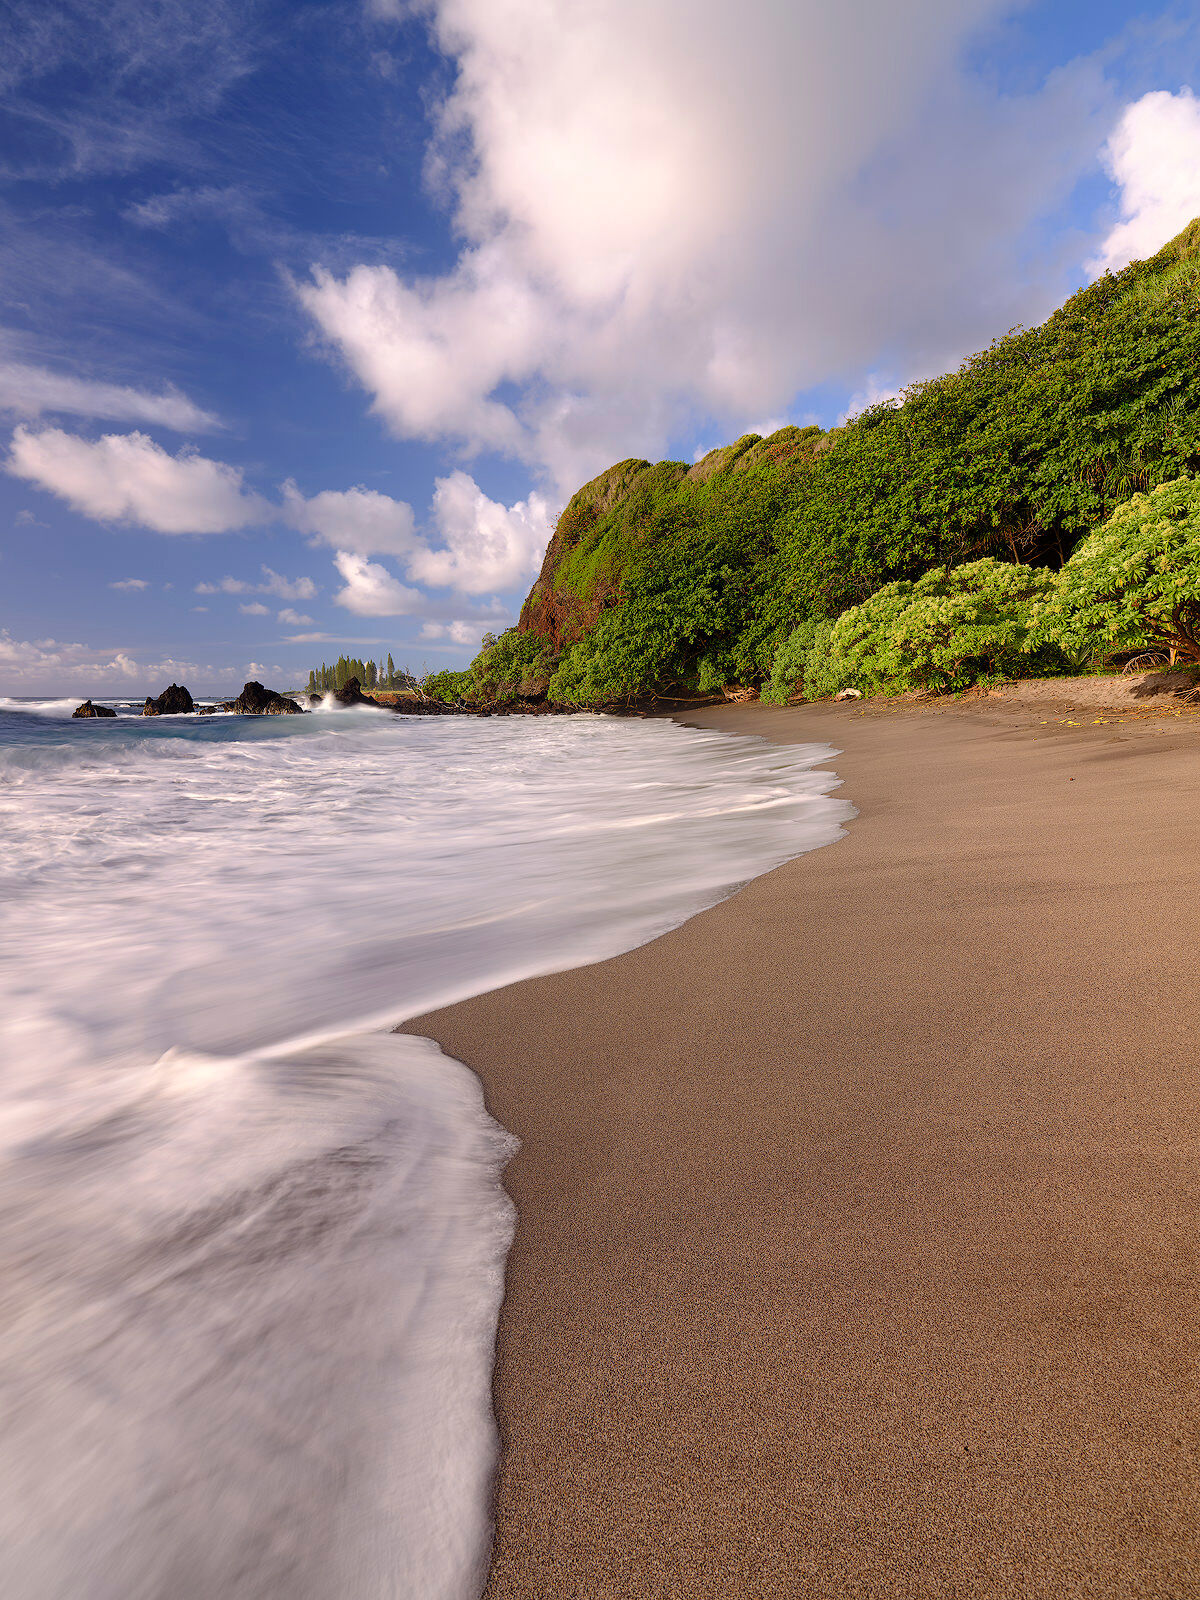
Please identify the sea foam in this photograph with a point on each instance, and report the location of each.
(252, 1246)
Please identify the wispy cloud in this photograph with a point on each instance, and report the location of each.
(111, 87)
(30, 391)
(130, 583)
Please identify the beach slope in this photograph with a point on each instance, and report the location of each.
(858, 1218)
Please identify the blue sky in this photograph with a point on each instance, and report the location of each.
(314, 315)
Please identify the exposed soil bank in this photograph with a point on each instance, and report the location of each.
(858, 1218)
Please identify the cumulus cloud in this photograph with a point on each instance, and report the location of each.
(1153, 156)
(255, 609)
(129, 478)
(293, 619)
(876, 390)
(225, 586)
(360, 520)
(28, 391)
(371, 590)
(272, 583)
(58, 667)
(286, 588)
(455, 632)
(22, 659)
(485, 546)
(667, 220)
(475, 545)
(130, 583)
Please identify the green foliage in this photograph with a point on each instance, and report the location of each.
(452, 688)
(948, 630)
(513, 666)
(790, 668)
(1135, 582)
(370, 674)
(667, 577)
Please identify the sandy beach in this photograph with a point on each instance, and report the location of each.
(858, 1218)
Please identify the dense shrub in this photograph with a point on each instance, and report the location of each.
(790, 667)
(450, 687)
(668, 576)
(948, 630)
(1133, 583)
(514, 666)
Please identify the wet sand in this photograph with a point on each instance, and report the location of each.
(860, 1217)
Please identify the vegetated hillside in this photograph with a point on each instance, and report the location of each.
(669, 576)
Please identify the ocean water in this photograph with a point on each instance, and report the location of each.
(252, 1243)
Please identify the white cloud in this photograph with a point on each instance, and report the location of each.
(129, 478)
(486, 546)
(1153, 156)
(164, 210)
(294, 619)
(371, 590)
(255, 609)
(702, 223)
(286, 588)
(27, 391)
(130, 583)
(225, 586)
(455, 632)
(432, 353)
(57, 667)
(272, 583)
(876, 389)
(361, 520)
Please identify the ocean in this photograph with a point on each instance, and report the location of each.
(252, 1243)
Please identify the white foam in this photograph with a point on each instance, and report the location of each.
(39, 708)
(252, 1348)
(251, 1254)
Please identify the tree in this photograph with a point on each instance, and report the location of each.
(946, 631)
(1135, 581)
(391, 672)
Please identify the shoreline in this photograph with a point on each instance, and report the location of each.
(856, 1247)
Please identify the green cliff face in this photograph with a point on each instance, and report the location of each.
(671, 577)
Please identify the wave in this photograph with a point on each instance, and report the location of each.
(252, 1251)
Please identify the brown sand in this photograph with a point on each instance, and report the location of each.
(858, 1239)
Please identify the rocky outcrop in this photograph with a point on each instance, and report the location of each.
(351, 694)
(255, 701)
(87, 709)
(174, 701)
(569, 595)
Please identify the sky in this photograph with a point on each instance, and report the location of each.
(313, 316)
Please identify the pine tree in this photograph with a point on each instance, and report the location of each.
(391, 672)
